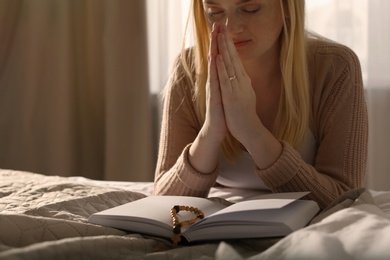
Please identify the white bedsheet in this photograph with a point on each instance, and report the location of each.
(45, 217)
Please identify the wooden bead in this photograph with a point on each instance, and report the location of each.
(177, 229)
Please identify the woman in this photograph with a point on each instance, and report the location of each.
(258, 103)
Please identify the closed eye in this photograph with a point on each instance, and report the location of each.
(250, 8)
(251, 11)
(213, 12)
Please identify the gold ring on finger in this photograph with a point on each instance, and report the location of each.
(232, 77)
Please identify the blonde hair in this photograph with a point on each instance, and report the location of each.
(293, 115)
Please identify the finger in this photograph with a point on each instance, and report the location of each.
(223, 48)
(213, 52)
(213, 91)
(231, 49)
(213, 40)
(213, 75)
(232, 76)
(223, 75)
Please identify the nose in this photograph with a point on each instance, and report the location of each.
(234, 24)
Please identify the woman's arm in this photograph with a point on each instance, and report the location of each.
(180, 126)
(340, 124)
(205, 150)
(196, 168)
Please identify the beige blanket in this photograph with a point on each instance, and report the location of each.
(44, 217)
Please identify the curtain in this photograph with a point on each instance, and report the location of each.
(362, 25)
(166, 24)
(165, 27)
(378, 95)
(74, 93)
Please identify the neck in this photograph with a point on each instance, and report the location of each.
(263, 75)
(265, 71)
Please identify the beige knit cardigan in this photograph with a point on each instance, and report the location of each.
(338, 121)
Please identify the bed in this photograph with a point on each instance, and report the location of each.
(45, 217)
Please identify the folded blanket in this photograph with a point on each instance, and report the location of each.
(352, 198)
(352, 227)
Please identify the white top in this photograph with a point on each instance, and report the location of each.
(242, 174)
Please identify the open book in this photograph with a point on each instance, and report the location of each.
(265, 216)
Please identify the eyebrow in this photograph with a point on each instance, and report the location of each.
(239, 2)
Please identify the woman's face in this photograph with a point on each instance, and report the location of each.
(253, 25)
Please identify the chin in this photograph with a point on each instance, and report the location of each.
(246, 56)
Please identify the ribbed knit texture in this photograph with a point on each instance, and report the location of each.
(338, 121)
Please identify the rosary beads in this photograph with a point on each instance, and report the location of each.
(177, 225)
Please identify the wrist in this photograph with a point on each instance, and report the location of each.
(264, 148)
(211, 136)
(204, 153)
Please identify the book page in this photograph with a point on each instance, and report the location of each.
(158, 209)
(258, 209)
(262, 202)
(283, 195)
(252, 219)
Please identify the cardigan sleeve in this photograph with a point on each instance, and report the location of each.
(339, 122)
(174, 174)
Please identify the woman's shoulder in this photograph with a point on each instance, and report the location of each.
(179, 71)
(325, 52)
(329, 61)
(179, 78)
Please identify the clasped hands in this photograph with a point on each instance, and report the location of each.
(230, 107)
(230, 98)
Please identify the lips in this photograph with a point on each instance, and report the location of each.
(241, 43)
